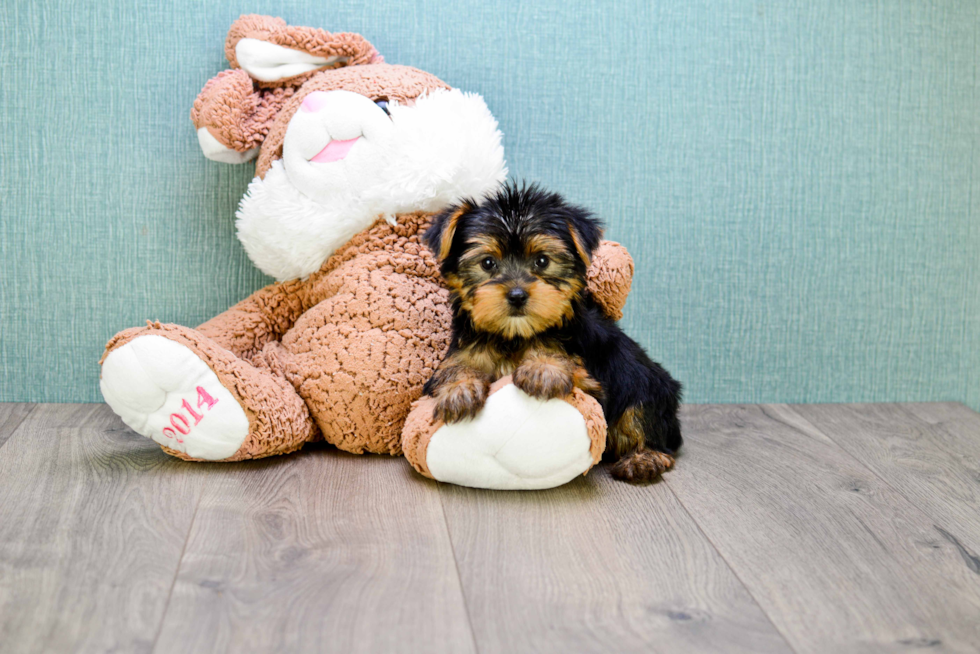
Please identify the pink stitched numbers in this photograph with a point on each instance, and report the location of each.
(182, 424)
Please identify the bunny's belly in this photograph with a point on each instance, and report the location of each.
(360, 358)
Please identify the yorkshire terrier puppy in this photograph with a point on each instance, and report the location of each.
(516, 266)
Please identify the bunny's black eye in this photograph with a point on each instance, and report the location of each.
(488, 263)
(384, 106)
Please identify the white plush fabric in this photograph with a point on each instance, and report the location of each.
(268, 62)
(214, 150)
(146, 382)
(515, 442)
(424, 157)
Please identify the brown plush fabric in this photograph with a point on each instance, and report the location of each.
(311, 40)
(418, 431)
(241, 117)
(380, 81)
(595, 421)
(610, 277)
(234, 112)
(357, 339)
(264, 316)
(377, 332)
(420, 427)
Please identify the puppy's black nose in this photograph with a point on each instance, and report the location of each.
(517, 297)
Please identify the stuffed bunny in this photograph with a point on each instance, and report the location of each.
(353, 157)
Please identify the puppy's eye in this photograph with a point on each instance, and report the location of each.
(488, 263)
(541, 262)
(384, 106)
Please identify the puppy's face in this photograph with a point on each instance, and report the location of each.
(517, 261)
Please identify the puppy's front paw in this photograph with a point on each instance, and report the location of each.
(460, 400)
(544, 379)
(642, 467)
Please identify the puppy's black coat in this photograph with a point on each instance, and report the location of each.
(628, 377)
(516, 264)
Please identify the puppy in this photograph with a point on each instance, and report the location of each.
(516, 265)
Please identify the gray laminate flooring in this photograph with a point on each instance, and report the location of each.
(811, 528)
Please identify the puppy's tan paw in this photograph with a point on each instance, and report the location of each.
(460, 400)
(642, 467)
(543, 379)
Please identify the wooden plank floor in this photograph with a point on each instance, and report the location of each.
(812, 528)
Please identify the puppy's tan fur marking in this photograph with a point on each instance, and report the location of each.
(487, 305)
(642, 467)
(543, 244)
(582, 252)
(450, 230)
(547, 306)
(485, 357)
(582, 380)
(480, 246)
(460, 392)
(552, 374)
(453, 281)
(626, 435)
(625, 440)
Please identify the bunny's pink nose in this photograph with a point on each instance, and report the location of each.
(314, 102)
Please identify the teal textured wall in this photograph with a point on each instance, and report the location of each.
(797, 179)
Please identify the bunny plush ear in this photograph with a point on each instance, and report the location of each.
(270, 60)
(232, 117)
(276, 54)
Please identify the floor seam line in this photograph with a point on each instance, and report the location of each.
(180, 564)
(459, 577)
(731, 568)
(20, 424)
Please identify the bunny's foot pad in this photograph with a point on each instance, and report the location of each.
(164, 391)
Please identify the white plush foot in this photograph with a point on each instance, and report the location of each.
(516, 442)
(163, 391)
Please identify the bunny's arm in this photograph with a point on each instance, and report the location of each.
(263, 316)
(268, 313)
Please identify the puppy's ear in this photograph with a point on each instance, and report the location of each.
(586, 231)
(439, 236)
